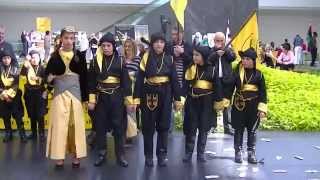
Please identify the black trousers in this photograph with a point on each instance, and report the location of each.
(199, 116)
(227, 119)
(156, 108)
(12, 109)
(246, 119)
(110, 115)
(314, 54)
(91, 115)
(36, 107)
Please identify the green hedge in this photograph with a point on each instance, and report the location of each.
(293, 101)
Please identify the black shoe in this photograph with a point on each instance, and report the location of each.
(201, 158)
(76, 165)
(23, 138)
(100, 160)
(149, 162)
(238, 157)
(162, 162)
(122, 162)
(32, 136)
(59, 166)
(7, 137)
(252, 159)
(187, 158)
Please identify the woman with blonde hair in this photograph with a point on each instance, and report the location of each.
(132, 62)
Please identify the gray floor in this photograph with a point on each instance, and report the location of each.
(28, 162)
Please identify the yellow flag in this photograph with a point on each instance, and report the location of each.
(248, 35)
(43, 24)
(178, 7)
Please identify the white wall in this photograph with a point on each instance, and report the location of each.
(276, 25)
(90, 20)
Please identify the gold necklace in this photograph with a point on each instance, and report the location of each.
(245, 77)
(199, 78)
(6, 74)
(159, 69)
(36, 70)
(110, 63)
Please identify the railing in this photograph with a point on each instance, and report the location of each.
(137, 16)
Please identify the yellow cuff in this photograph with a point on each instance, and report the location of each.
(263, 107)
(128, 100)
(11, 93)
(218, 106)
(226, 102)
(92, 98)
(137, 101)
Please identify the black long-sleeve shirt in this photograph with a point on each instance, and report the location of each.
(109, 66)
(10, 72)
(40, 73)
(207, 73)
(152, 66)
(251, 77)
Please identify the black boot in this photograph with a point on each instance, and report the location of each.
(148, 149)
(23, 137)
(91, 138)
(238, 156)
(149, 162)
(7, 125)
(41, 130)
(162, 143)
(22, 132)
(252, 159)
(162, 159)
(252, 148)
(189, 146)
(238, 140)
(201, 146)
(32, 136)
(7, 136)
(119, 150)
(101, 159)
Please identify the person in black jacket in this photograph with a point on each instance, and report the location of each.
(156, 87)
(110, 94)
(222, 57)
(35, 94)
(182, 58)
(10, 97)
(250, 104)
(204, 90)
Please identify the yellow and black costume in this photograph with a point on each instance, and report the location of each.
(155, 89)
(249, 99)
(110, 89)
(204, 90)
(10, 98)
(35, 103)
(66, 130)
